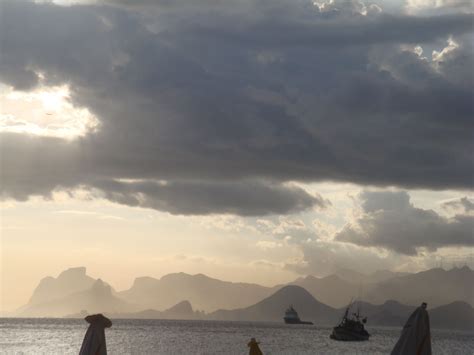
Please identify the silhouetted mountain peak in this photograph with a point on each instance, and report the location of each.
(144, 281)
(383, 275)
(350, 275)
(273, 307)
(436, 286)
(47, 279)
(456, 305)
(356, 277)
(455, 315)
(74, 272)
(59, 301)
(292, 292)
(296, 295)
(433, 271)
(184, 276)
(440, 272)
(100, 286)
(331, 290)
(175, 277)
(69, 281)
(182, 307)
(163, 293)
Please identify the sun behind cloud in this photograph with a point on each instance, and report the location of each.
(44, 111)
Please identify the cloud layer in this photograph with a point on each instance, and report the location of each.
(390, 221)
(245, 199)
(464, 204)
(207, 109)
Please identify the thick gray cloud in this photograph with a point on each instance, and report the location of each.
(246, 199)
(200, 96)
(390, 221)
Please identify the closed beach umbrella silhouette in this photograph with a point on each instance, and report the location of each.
(415, 338)
(254, 348)
(94, 340)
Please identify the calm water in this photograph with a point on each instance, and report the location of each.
(64, 336)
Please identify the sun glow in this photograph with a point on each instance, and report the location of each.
(46, 111)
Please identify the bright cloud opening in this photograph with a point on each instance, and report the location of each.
(45, 111)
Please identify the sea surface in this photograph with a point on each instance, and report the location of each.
(64, 336)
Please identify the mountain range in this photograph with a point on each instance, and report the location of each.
(96, 299)
(435, 286)
(203, 292)
(388, 297)
(272, 308)
(457, 315)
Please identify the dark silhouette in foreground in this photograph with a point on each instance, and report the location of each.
(415, 338)
(94, 340)
(351, 328)
(254, 348)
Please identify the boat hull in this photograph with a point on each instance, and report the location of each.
(296, 321)
(342, 334)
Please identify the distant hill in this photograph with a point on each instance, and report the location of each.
(331, 290)
(339, 289)
(68, 282)
(182, 310)
(456, 315)
(358, 278)
(273, 308)
(203, 292)
(97, 299)
(436, 287)
(390, 313)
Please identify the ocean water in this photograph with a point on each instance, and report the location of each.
(64, 336)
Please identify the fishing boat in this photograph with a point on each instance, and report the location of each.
(351, 327)
(291, 317)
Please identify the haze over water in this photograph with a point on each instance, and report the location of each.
(64, 336)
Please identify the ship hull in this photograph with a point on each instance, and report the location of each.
(342, 334)
(296, 321)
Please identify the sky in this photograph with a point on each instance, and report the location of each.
(249, 140)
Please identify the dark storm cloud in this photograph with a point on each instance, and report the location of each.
(246, 199)
(242, 198)
(390, 221)
(70, 169)
(201, 96)
(37, 165)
